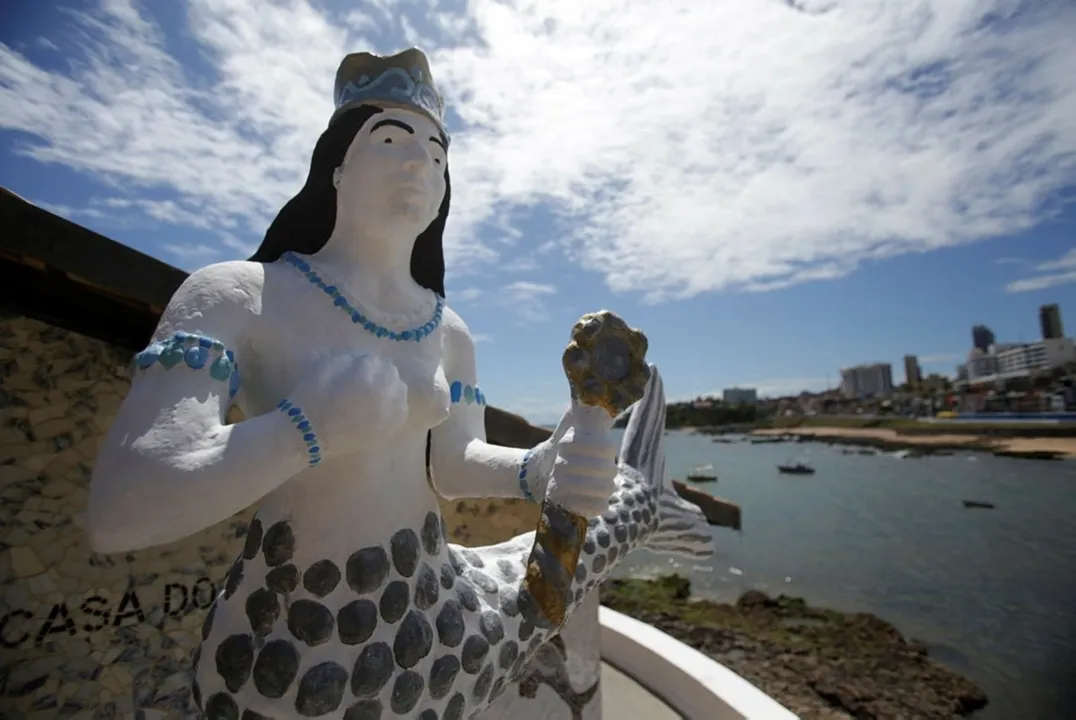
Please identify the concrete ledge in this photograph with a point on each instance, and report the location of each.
(688, 681)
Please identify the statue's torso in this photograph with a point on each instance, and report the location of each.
(341, 557)
(379, 483)
(299, 329)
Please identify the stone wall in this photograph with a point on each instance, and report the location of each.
(89, 636)
(81, 634)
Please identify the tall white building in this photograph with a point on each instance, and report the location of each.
(981, 365)
(862, 381)
(1037, 356)
(740, 396)
(1014, 359)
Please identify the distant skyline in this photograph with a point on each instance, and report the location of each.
(771, 191)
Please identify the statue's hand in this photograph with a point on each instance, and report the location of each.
(584, 467)
(351, 400)
(606, 368)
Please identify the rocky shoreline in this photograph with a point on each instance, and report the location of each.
(891, 441)
(821, 664)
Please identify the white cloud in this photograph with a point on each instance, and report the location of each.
(686, 146)
(70, 212)
(198, 254)
(1065, 262)
(468, 294)
(520, 264)
(1053, 273)
(526, 299)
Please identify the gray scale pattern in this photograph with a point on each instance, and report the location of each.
(461, 632)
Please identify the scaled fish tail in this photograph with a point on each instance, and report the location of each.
(682, 528)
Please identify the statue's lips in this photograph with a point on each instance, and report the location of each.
(409, 186)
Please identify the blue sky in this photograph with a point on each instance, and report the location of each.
(770, 190)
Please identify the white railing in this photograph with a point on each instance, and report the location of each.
(692, 684)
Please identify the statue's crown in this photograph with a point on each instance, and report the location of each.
(402, 80)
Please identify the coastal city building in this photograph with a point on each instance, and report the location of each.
(982, 337)
(1037, 356)
(998, 362)
(740, 396)
(912, 372)
(1050, 321)
(981, 364)
(867, 381)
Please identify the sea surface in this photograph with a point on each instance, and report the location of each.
(991, 592)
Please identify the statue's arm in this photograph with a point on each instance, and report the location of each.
(169, 466)
(463, 464)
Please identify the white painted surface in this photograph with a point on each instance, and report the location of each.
(692, 684)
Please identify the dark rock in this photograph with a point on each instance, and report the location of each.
(819, 663)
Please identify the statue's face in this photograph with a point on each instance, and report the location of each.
(394, 173)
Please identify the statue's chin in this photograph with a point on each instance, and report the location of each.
(408, 211)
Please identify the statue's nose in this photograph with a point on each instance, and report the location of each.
(417, 158)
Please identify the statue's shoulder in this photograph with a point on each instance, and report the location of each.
(459, 345)
(235, 283)
(455, 328)
(219, 299)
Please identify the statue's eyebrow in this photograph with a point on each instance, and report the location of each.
(394, 123)
(440, 139)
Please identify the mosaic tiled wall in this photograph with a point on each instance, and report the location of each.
(90, 636)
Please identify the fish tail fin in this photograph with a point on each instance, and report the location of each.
(682, 528)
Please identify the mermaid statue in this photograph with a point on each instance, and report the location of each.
(359, 404)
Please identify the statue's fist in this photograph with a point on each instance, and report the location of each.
(352, 398)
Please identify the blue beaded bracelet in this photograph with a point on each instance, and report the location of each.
(303, 424)
(527, 494)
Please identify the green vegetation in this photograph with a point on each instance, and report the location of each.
(671, 596)
(703, 414)
(716, 416)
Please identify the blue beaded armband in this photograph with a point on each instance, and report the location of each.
(196, 352)
(470, 394)
(303, 424)
(523, 487)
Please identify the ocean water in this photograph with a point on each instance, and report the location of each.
(992, 592)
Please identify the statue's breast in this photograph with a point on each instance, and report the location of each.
(301, 329)
(421, 368)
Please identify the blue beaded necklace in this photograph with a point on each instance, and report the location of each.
(415, 334)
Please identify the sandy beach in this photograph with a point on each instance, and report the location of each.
(1065, 447)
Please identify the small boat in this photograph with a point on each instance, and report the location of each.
(980, 504)
(702, 478)
(797, 469)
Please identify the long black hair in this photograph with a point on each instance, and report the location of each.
(305, 223)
